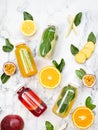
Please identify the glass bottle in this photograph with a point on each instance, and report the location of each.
(31, 101)
(25, 60)
(65, 101)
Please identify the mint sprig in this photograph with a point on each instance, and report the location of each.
(27, 16)
(80, 73)
(89, 104)
(8, 47)
(59, 66)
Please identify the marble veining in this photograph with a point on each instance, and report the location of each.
(46, 13)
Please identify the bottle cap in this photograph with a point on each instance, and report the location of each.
(18, 86)
(73, 84)
(18, 42)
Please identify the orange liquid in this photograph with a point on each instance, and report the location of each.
(25, 60)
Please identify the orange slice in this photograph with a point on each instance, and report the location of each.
(82, 117)
(9, 68)
(49, 77)
(28, 27)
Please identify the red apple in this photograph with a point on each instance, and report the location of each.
(12, 122)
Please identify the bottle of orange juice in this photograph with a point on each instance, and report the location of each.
(25, 60)
(65, 101)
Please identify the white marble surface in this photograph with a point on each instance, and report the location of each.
(46, 12)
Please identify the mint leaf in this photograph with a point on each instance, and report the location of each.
(27, 16)
(49, 33)
(8, 47)
(74, 50)
(49, 126)
(80, 73)
(77, 19)
(45, 48)
(48, 39)
(89, 103)
(67, 88)
(55, 63)
(92, 38)
(8, 43)
(63, 108)
(59, 102)
(4, 78)
(59, 66)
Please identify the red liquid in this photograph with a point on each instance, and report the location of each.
(31, 101)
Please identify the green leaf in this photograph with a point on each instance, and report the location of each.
(91, 37)
(47, 38)
(49, 33)
(67, 88)
(27, 16)
(45, 48)
(8, 43)
(83, 71)
(49, 126)
(89, 103)
(59, 102)
(80, 73)
(63, 108)
(77, 19)
(70, 96)
(8, 47)
(59, 66)
(4, 78)
(74, 50)
(55, 63)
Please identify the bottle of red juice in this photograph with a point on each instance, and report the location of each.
(31, 101)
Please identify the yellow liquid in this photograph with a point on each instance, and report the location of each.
(56, 108)
(25, 60)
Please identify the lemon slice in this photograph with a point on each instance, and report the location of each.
(28, 27)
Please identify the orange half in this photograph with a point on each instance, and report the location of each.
(82, 117)
(28, 27)
(49, 77)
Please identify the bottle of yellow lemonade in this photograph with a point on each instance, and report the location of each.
(65, 101)
(25, 60)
